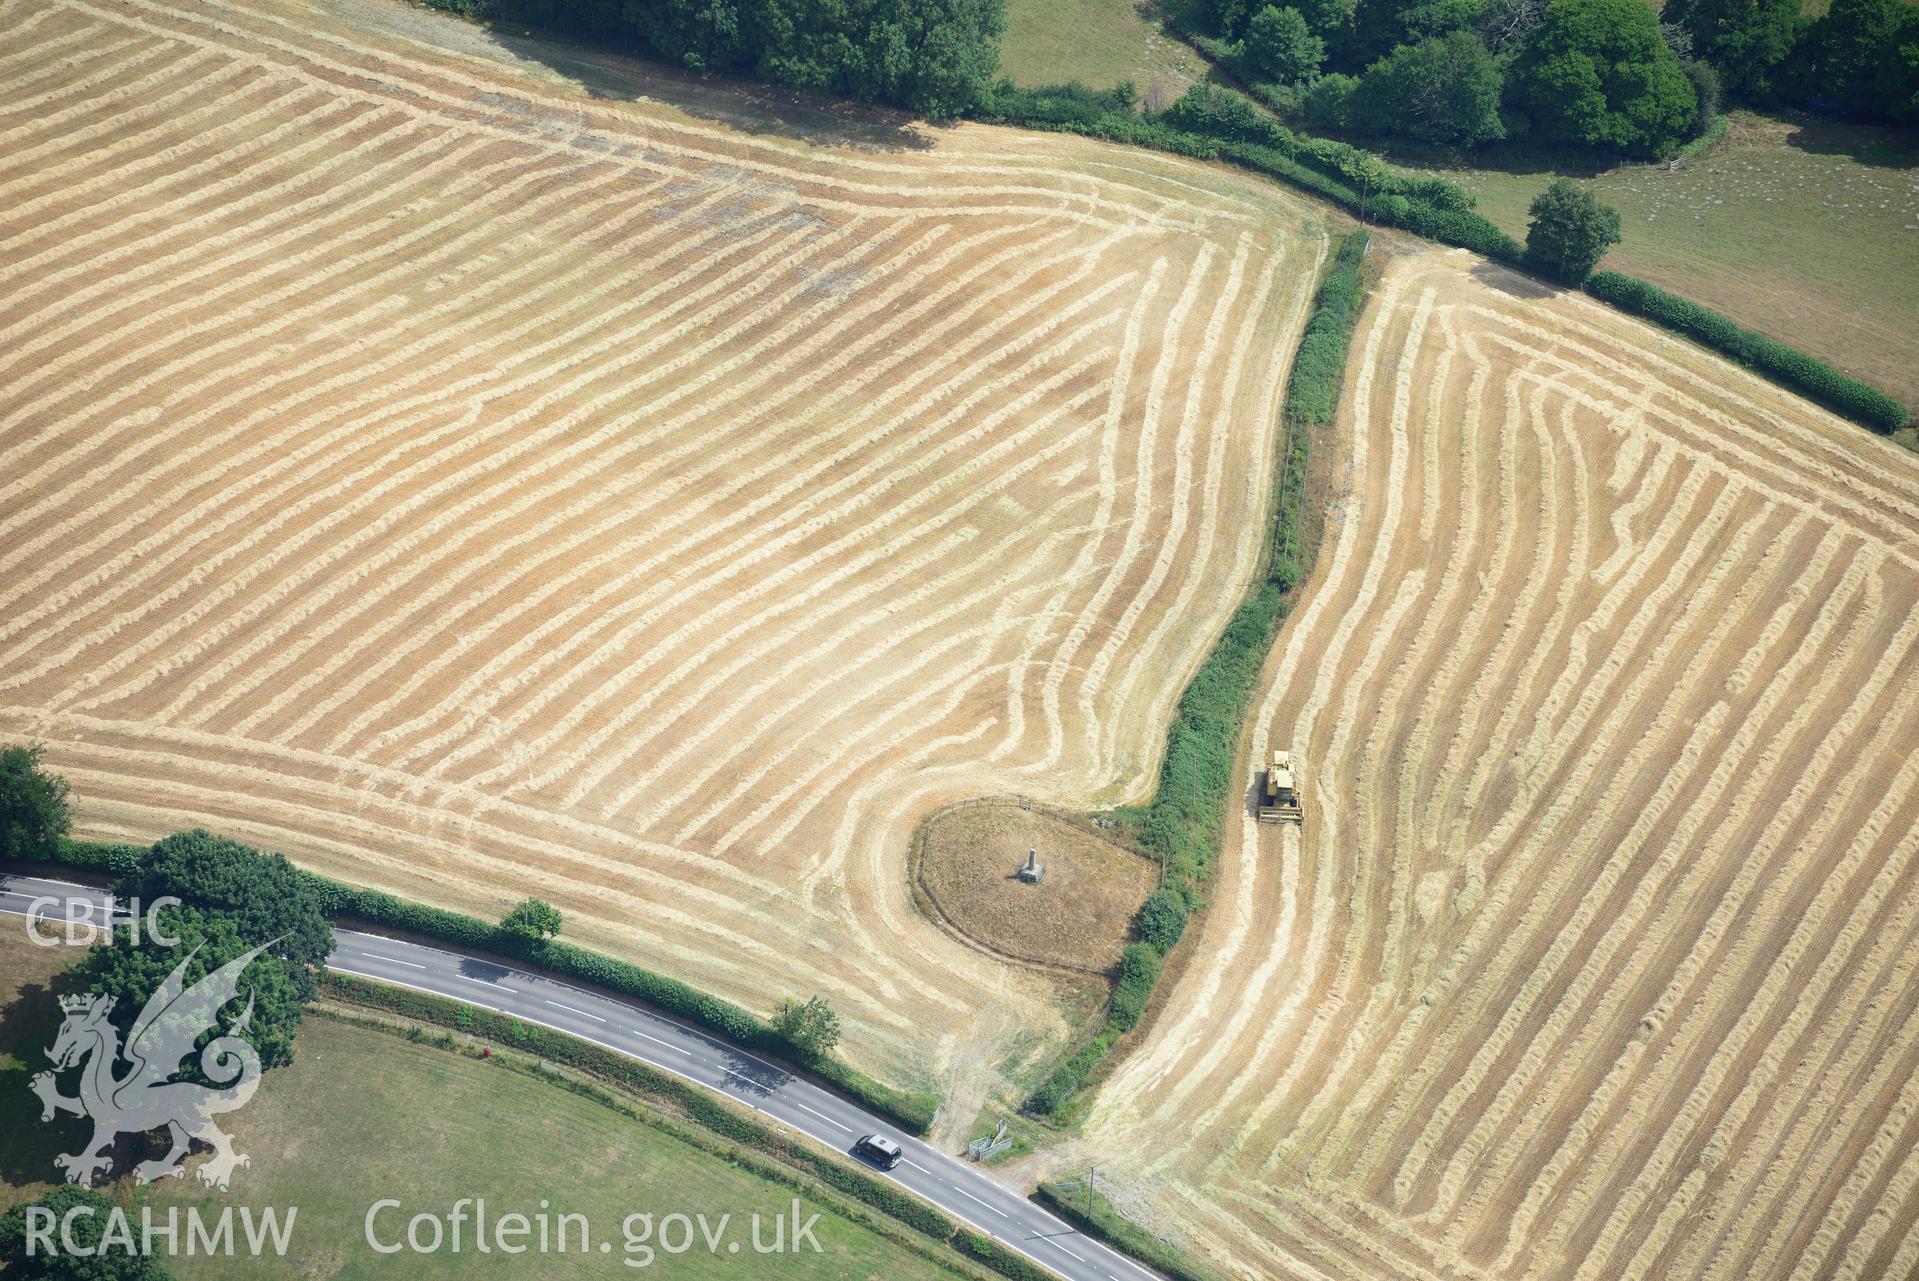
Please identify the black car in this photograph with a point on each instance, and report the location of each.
(879, 1149)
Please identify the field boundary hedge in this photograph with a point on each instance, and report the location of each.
(1185, 821)
(697, 1104)
(1353, 178)
(914, 1112)
(1711, 136)
(1350, 177)
(1362, 184)
(1808, 375)
(1107, 1224)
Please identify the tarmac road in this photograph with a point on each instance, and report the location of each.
(954, 1184)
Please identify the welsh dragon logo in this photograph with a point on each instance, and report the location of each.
(146, 1098)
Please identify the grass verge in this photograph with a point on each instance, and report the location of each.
(697, 1106)
(432, 1119)
(1095, 1216)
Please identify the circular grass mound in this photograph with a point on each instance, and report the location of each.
(1078, 917)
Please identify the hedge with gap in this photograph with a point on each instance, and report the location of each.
(1106, 1224)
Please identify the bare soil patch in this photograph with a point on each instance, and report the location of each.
(1080, 914)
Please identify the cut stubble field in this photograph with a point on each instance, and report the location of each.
(1594, 958)
(474, 487)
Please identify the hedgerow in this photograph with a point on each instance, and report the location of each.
(1183, 824)
(1312, 392)
(1711, 136)
(1218, 124)
(1000, 1259)
(1106, 1224)
(115, 861)
(914, 1112)
(1807, 375)
(1138, 972)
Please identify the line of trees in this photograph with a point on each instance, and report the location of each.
(1861, 58)
(1608, 75)
(933, 57)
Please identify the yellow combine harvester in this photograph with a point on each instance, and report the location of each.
(1279, 796)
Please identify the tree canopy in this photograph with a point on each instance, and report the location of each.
(1443, 89)
(1280, 44)
(113, 1263)
(533, 920)
(811, 1026)
(936, 57)
(1381, 25)
(33, 804)
(1597, 72)
(263, 895)
(1864, 57)
(1747, 41)
(132, 969)
(1570, 231)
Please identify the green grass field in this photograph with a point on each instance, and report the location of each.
(1097, 42)
(1807, 232)
(364, 1115)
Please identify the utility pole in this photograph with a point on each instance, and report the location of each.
(1091, 1172)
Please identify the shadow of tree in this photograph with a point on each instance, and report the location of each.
(1877, 146)
(28, 1144)
(1514, 285)
(746, 105)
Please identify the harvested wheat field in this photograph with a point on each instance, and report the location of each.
(1595, 955)
(476, 488)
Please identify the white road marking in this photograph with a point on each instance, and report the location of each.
(677, 1049)
(821, 1115)
(392, 960)
(334, 965)
(970, 1197)
(570, 1010)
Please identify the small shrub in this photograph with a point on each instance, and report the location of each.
(1162, 919)
(1138, 971)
